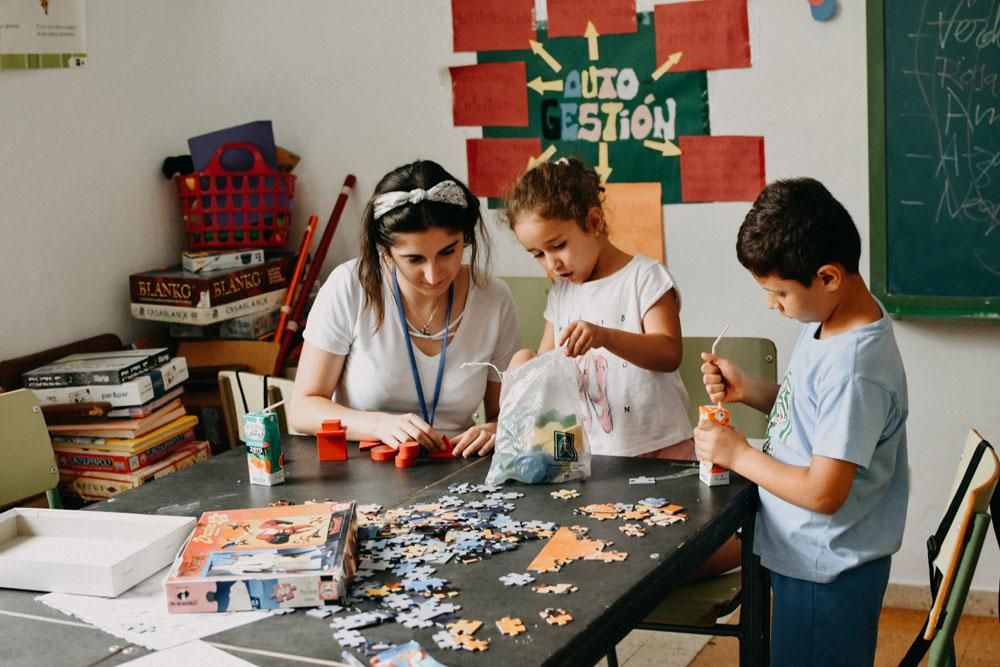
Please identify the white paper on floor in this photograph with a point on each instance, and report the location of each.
(189, 653)
(140, 615)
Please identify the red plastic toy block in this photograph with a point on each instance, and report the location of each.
(331, 441)
(445, 453)
(382, 453)
(408, 450)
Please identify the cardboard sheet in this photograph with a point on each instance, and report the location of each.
(710, 34)
(490, 94)
(140, 616)
(494, 164)
(492, 25)
(568, 18)
(635, 218)
(721, 168)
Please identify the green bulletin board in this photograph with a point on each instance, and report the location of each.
(934, 142)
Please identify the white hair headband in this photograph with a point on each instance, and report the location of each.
(445, 192)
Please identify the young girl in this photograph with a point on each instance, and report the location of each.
(390, 332)
(616, 314)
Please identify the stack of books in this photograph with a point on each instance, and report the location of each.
(137, 429)
(236, 294)
(266, 558)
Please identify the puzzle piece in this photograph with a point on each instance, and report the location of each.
(510, 626)
(555, 616)
(607, 556)
(516, 579)
(565, 494)
(472, 644)
(465, 627)
(558, 589)
(351, 638)
(653, 502)
(444, 639)
(641, 480)
(632, 530)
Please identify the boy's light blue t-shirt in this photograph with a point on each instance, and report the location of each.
(843, 397)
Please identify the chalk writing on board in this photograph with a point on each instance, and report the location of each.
(943, 131)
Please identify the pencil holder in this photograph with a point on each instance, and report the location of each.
(236, 209)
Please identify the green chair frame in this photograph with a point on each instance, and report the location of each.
(25, 441)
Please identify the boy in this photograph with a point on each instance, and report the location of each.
(832, 475)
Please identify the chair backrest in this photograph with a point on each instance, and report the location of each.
(530, 295)
(233, 407)
(27, 463)
(756, 356)
(983, 474)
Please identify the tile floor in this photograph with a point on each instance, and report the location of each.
(977, 644)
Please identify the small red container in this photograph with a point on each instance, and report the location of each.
(236, 209)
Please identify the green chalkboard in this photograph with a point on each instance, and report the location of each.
(934, 142)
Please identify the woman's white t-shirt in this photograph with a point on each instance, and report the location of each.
(377, 375)
(630, 410)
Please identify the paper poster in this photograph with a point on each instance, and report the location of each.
(492, 25)
(721, 168)
(635, 218)
(42, 34)
(569, 18)
(709, 34)
(490, 94)
(494, 164)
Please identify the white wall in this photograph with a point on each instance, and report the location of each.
(361, 86)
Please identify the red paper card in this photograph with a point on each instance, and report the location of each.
(568, 18)
(492, 25)
(709, 34)
(721, 168)
(490, 94)
(494, 164)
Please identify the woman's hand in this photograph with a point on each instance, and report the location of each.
(477, 440)
(394, 430)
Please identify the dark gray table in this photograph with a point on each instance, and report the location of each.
(611, 600)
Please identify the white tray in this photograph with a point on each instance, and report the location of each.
(92, 553)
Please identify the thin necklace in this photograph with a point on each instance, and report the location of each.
(425, 330)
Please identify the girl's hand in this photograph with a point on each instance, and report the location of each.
(721, 445)
(578, 337)
(724, 381)
(477, 440)
(396, 429)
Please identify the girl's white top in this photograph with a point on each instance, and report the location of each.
(629, 410)
(377, 376)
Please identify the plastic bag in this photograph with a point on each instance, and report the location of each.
(540, 437)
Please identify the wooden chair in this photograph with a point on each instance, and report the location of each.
(953, 550)
(696, 607)
(242, 391)
(25, 447)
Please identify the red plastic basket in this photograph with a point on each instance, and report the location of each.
(236, 209)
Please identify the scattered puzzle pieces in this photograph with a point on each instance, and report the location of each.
(510, 626)
(565, 494)
(555, 616)
(465, 627)
(350, 638)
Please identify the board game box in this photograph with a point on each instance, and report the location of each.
(266, 558)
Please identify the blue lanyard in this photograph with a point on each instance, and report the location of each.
(409, 348)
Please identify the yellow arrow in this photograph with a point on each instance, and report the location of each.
(602, 168)
(671, 60)
(541, 87)
(666, 148)
(544, 157)
(591, 34)
(539, 50)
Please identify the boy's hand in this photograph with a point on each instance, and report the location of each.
(578, 337)
(721, 445)
(724, 381)
(478, 440)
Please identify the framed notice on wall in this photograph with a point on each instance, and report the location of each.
(42, 34)
(934, 140)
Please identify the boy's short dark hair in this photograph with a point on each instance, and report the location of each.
(794, 227)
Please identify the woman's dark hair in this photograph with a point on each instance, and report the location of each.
(794, 227)
(563, 190)
(377, 234)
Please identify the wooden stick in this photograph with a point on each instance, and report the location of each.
(300, 303)
(286, 308)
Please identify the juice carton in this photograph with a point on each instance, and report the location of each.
(264, 457)
(709, 473)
